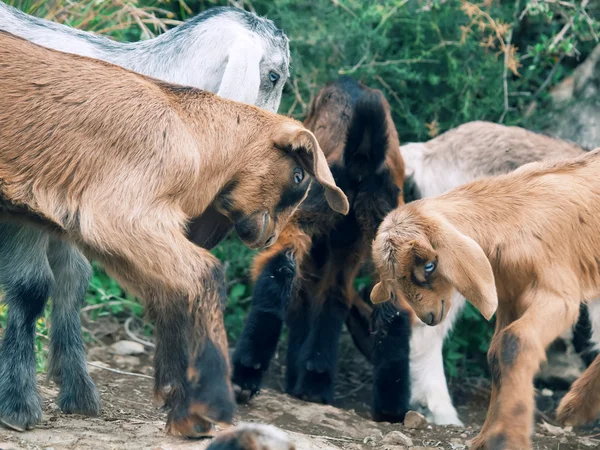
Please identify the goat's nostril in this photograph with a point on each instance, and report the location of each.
(430, 319)
(270, 241)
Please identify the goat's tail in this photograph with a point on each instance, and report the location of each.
(368, 135)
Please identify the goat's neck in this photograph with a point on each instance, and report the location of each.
(227, 135)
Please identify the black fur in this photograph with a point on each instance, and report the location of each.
(391, 358)
(338, 242)
(258, 342)
(510, 349)
(582, 335)
(496, 442)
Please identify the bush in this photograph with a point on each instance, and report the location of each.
(439, 62)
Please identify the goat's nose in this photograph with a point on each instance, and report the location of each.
(430, 319)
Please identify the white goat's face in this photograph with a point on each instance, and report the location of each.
(274, 72)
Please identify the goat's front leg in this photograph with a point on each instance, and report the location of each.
(429, 390)
(184, 290)
(258, 341)
(317, 358)
(391, 350)
(514, 356)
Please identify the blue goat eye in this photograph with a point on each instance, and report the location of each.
(429, 268)
(273, 77)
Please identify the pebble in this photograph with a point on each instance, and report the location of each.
(415, 420)
(463, 435)
(547, 393)
(126, 348)
(397, 438)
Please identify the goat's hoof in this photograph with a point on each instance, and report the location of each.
(388, 416)
(193, 427)
(252, 437)
(21, 416)
(82, 399)
(574, 411)
(315, 384)
(478, 443)
(247, 378)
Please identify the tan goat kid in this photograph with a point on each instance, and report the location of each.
(118, 163)
(526, 243)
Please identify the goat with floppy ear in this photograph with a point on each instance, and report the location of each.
(466, 153)
(307, 277)
(224, 50)
(118, 163)
(526, 242)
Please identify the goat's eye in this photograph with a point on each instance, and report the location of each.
(273, 77)
(298, 175)
(429, 268)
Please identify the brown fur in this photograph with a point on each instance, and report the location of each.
(118, 163)
(527, 242)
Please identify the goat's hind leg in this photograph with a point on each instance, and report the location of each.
(582, 403)
(67, 360)
(27, 281)
(260, 336)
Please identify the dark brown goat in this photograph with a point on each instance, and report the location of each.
(308, 275)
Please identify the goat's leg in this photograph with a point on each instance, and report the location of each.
(391, 376)
(582, 402)
(258, 341)
(27, 281)
(317, 359)
(299, 324)
(429, 389)
(184, 290)
(515, 355)
(67, 361)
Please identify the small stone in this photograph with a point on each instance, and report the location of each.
(547, 393)
(415, 420)
(397, 438)
(587, 442)
(8, 446)
(463, 435)
(127, 362)
(126, 348)
(457, 444)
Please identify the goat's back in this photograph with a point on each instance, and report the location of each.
(478, 149)
(539, 221)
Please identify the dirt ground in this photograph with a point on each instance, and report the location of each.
(130, 421)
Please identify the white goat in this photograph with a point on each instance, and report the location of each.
(225, 50)
(469, 152)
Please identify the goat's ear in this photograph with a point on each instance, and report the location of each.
(380, 293)
(295, 138)
(241, 78)
(464, 264)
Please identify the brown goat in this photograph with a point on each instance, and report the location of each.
(526, 242)
(118, 163)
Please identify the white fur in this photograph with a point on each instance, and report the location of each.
(219, 54)
(594, 314)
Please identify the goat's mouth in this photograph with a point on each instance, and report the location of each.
(432, 319)
(255, 231)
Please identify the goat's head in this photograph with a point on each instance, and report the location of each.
(423, 259)
(269, 187)
(258, 58)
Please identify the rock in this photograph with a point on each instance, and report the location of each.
(397, 438)
(547, 393)
(8, 446)
(587, 442)
(415, 420)
(457, 444)
(127, 362)
(125, 348)
(555, 431)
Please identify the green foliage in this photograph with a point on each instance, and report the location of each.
(439, 62)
